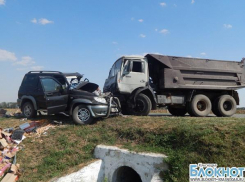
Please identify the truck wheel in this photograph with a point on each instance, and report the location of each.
(28, 110)
(82, 115)
(177, 111)
(215, 107)
(125, 110)
(226, 106)
(189, 110)
(143, 106)
(200, 105)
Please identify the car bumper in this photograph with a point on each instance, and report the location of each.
(98, 110)
(105, 110)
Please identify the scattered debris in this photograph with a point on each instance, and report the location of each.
(2, 113)
(8, 130)
(57, 122)
(43, 129)
(23, 119)
(10, 177)
(32, 128)
(10, 139)
(19, 141)
(8, 152)
(17, 134)
(13, 175)
(24, 126)
(3, 142)
(17, 113)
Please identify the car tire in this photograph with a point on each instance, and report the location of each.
(82, 115)
(143, 106)
(28, 110)
(201, 105)
(177, 111)
(227, 106)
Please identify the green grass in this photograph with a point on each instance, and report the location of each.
(184, 140)
(3, 119)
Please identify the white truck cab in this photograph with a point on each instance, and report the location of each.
(127, 74)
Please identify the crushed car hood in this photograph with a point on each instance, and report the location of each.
(87, 86)
(80, 93)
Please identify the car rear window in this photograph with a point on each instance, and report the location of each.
(30, 81)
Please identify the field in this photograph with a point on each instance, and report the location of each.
(184, 140)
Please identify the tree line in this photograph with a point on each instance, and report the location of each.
(8, 105)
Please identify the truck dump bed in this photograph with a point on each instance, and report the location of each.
(169, 72)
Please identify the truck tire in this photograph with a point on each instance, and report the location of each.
(125, 110)
(28, 110)
(143, 106)
(81, 115)
(226, 106)
(189, 110)
(215, 107)
(177, 111)
(200, 105)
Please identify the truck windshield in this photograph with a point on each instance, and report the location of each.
(118, 65)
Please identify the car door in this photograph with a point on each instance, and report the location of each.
(40, 96)
(134, 75)
(56, 97)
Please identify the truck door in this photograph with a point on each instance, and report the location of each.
(111, 82)
(56, 97)
(134, 75)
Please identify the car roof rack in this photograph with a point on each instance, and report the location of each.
(45, 72)
(58, 72)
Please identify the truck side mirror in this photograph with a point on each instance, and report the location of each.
(126, 68)
(125, 73)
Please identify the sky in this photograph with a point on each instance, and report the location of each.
(87, 36)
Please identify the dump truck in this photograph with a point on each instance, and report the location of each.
(183, 85)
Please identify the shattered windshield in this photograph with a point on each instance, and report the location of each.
(73, 81)
(76, 83)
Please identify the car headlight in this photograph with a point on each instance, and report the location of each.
(101, 100)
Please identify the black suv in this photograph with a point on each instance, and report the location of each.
(55, 92)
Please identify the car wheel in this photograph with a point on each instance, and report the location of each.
(142, 106)
(82, 115)
(200, 105)
(28, 110)
(226, 105)
(177, 111)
